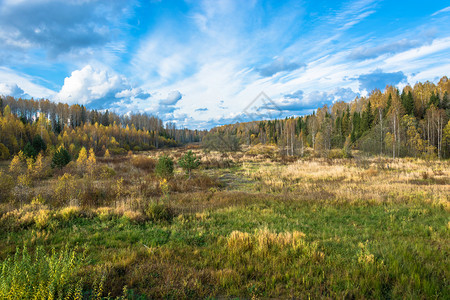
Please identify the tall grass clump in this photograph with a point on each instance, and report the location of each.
(42, 275)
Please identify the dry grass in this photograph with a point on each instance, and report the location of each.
(370, 180)
(144, 163)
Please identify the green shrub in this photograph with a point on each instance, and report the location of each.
(159, 213)
(164, 166)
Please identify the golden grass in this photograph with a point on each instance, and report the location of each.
(263, 240)
(371, 180)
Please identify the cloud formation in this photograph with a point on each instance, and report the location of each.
(8, 89)
(58, 26)
(277, 66)
(362, 53)
(444, 10)
(299, 102)
(295, 95)
(379, 80)
(89, 84)
(133, 93)
(172, 98)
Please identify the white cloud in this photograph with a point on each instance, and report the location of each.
(172, 98)
(436, 46)
(444, 10)
(89, 84)
(26, 83)
(8, 89)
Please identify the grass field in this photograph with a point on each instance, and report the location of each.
(246, 225)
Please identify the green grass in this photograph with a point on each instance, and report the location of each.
(386, 250)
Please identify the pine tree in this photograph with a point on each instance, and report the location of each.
(164, 167)
(189, 162)
(61, 158)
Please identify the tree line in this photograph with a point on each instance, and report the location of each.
(412, 122)
(24, 124)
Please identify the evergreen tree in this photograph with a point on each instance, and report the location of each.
(189, 162)
(434, 100)
(367, 119)
(61, 158)
(356, 122)
(29, 151)
(39, 144)
(164, 167)
(409, 104)
(446, 101)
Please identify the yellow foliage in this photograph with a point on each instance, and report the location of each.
(107, 155)
(15, 166)
(42, 218)
(65, 189)
(24, 180)
(69, 212)
(92, 160)
(30, 164)
(38, 167)
(82, 156)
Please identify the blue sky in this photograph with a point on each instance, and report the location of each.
(201, 63)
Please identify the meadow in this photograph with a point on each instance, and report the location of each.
(246, 224)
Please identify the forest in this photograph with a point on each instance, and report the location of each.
(413, 122)
(30, 122)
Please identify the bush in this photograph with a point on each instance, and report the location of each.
(159, 213)
(164, 167)
(4, 152)
(336, 153)
(61, 158)
(6, 186)
(69, 213)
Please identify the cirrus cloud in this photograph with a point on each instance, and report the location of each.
(279, 65)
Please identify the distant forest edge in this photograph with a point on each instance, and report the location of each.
(32, 122)
(413, 122)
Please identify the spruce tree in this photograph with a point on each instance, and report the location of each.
(61, 158)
